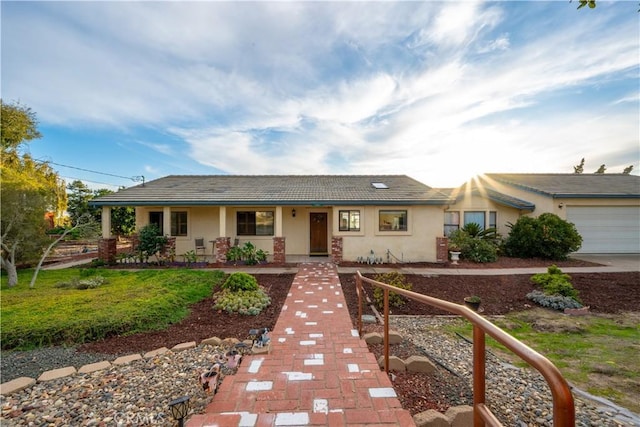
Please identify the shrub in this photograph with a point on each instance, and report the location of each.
(81, 284)
(190, 256)
(555, 282)
(480, 251)
(240, 281)
(395, 279)
(556, 302)
(481, 246)
(557, 291)
(547, 236)
(234, 254)
(243, 302)
(247, 253)
(151, 241)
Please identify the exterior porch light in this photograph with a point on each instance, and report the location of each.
(293, 212)
(179, 409)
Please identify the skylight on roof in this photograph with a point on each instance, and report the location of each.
(379, 185)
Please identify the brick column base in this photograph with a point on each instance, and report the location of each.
(222, 246)
(442, 249)
(279, 246)
(336, 250)
(107, 249)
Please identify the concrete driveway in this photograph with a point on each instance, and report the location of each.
(625, 262)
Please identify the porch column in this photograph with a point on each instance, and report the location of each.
(106, 222)
(107, 248)
(222, 224)
(222, 246)
(336, 249)
(278, 222)
(279, 249)
(166, 221)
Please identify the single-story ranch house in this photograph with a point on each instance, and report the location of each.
(390, 217)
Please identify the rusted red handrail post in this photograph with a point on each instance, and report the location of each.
(479, 360)
(359, 293)
(386, 331)
(563, 404)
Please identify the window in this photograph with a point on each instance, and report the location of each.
(156, 218)
(392, 221)
(254, 223)
(349, 220)
(477, 217)
(451, 222)
(178, 223)
(493, 219)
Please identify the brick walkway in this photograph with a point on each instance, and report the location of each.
(319, 372)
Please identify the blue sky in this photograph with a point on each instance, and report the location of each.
(439, 91)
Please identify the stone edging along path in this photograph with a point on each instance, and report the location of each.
(22, 383)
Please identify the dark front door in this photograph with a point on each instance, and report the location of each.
(318, 233)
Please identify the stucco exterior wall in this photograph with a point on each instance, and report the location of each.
(417, 244)
(504, 214)
(201, 222)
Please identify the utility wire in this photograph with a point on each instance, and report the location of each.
(87, 180)
(132, 178)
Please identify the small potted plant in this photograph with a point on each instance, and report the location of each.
(473, 302)
(454, 252)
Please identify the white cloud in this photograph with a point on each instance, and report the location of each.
(330, 87)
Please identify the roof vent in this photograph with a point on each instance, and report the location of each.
(379, 185)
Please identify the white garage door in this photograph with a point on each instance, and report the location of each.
(607, 229)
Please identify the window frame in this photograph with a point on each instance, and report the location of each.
(179, 223)
(450, 227)
(483, 224)
(493, 219)
(252, 224)
(352, 217)
(403, 226)
(157, 218)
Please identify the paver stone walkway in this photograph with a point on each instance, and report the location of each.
(318, 372)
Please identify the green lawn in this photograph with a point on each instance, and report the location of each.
(128, 302)
(597, 353)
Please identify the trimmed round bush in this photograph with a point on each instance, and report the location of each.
(547, 236)
(240, 281)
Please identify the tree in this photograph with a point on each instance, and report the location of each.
(123, 220)
(590, 3)
(86, 227)
(627, 170)
(580, 167)
(29, 190)
(78, 201)
(19, 124)
(601, 169)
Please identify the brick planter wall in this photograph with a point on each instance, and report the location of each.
(279, 246)
(222, 246)
(107, 249)
(336, 250)
(442, 249)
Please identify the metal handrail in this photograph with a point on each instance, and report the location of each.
(563, 405)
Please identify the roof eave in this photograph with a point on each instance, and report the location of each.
(273, 203)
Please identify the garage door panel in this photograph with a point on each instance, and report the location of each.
(607, 229)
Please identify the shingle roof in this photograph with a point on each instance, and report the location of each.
(572, 185)
(181, 190)
(501, 198)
